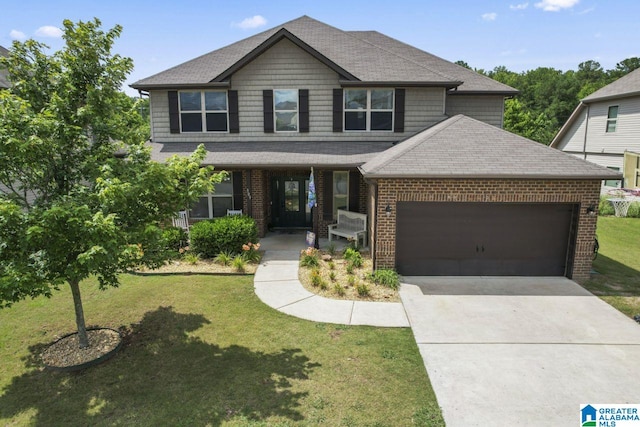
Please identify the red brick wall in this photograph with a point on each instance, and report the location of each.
(391, 191)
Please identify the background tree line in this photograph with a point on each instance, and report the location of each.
(548, 96)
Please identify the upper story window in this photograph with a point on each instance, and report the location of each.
(368, 109)
(285, 107)
(203, 111)
(612, 118)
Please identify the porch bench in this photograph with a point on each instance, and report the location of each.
(350, 225)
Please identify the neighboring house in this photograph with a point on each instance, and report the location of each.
(4, 79)
(605, 129)
(409, 139)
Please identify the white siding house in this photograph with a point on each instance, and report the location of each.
(605, 129)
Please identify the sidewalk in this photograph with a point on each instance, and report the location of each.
(276, 284)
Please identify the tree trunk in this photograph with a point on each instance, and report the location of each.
(77, 303)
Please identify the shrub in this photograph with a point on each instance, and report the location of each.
(385, 277)
(239, 264)
(332, 276)
(353, 257)
(310, 258)
(605, 207)
(174, 238)
(250, 252)
(315, 277)
(223, 258)
(332, 265)
(227, 234)
(323, 284)
(363, 289)
(634, 210)
(351, 280)
(338, 289)
(349, 268)
(191, 258)
(331, 249)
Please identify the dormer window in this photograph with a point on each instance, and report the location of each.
(612, 118)
(368, 109)
(203, 111)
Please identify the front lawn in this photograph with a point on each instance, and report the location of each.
(203, 350)
(617, 278)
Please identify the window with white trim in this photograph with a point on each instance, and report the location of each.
(215, 204)
(612, 118)
(340, 191)
(368, 109)
(203, 111)
(285, 108)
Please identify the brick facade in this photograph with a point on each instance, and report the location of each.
(390, 191)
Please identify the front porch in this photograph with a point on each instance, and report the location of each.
(278, 198)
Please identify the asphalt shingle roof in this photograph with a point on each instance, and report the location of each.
(4, 80)
(462, 147)
(367, 56)
(627, 85)
(275, 154)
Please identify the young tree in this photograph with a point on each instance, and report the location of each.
(79, 195)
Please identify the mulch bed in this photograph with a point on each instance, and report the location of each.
(66, 353)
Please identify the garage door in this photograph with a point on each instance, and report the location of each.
(484, 239)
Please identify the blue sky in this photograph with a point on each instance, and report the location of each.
(518, 34)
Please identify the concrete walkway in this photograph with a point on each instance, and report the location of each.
(276, 284)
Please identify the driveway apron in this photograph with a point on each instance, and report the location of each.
(506, 351)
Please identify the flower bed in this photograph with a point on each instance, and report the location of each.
(334, 276)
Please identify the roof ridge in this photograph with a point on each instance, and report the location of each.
(441, 125)
(350, 34)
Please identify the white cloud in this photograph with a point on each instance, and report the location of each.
(520, 6)
(49, 31)
(489, 16)
(589, 10)
(17, 35)
(253, 22)
(556, 5)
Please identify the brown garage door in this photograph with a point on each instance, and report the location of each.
(490, 239)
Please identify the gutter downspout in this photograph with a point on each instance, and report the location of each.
(586, 129)
(372, 215)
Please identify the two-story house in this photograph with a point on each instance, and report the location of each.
(409, 139)
(605, 129)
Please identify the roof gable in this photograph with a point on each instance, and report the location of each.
(283, 33)
(462, 147)
(364, 57)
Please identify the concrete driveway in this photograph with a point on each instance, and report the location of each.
(506, 351)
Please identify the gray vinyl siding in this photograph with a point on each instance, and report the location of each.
(286, 66)
(627, 134)
(608, 161)
(573, 139)
(486, 108)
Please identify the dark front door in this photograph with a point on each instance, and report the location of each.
(289, 202)
(493, 239)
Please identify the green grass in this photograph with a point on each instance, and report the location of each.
(203, 350)
(618, 264)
